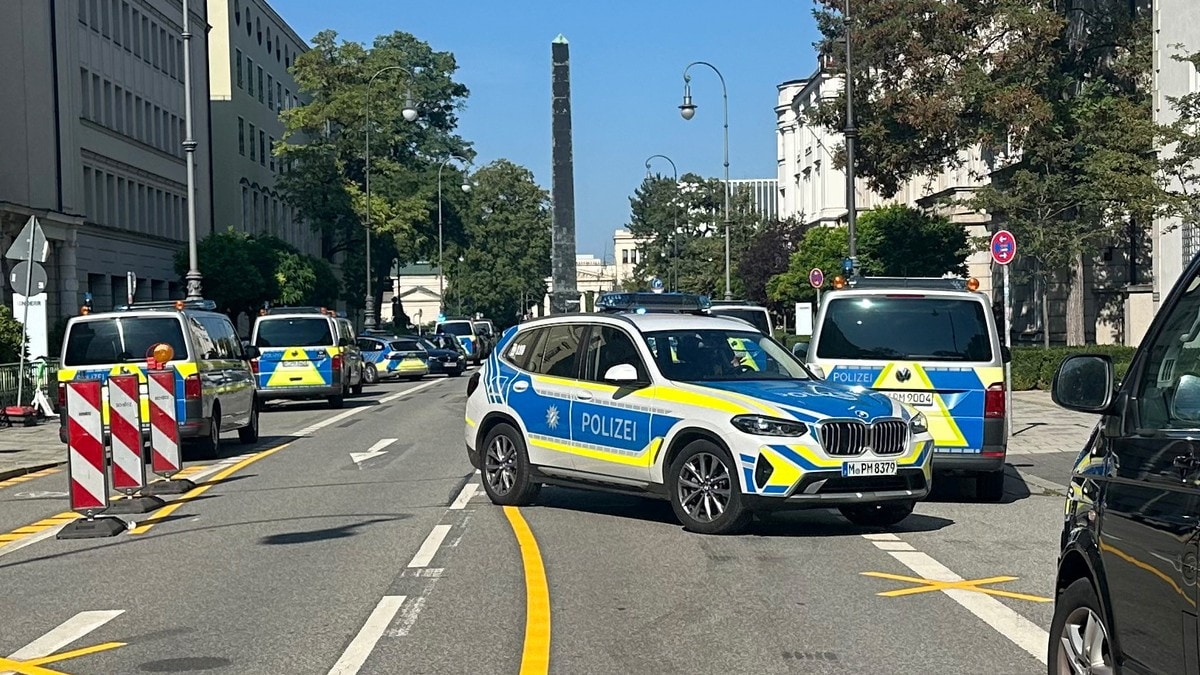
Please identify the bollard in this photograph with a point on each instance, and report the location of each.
(87, 470)
(166, 458)
(125, 434)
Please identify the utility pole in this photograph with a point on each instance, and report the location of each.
(851, 135)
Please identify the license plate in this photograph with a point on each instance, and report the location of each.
(877, 468)
(293, 364)
(919, 399)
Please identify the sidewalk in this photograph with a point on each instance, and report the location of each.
(28, 449)
(1040, 426)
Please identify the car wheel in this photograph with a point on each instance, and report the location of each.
(210, 447)
(506, 472)
(888, 513)
(989, 487)
(1078, 635)
(370, 373)
(337, 401)
(249, 433)
(454, 373)
(704, 491)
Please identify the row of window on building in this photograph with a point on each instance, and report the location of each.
(269, 91)
(121, 201)
(136, 32)
(261, 146)
(118, 109)
(631, 255)
(283, 52)
(265, 212)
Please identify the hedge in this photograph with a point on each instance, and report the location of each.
(1034, 367)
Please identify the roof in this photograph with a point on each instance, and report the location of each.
(648, 322)
(419, 269)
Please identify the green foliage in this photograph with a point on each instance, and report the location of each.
(1034, 367)
(769, 254)
(12, 337)
(1180, 164)
(900, 241)
(823, 248)
(506, 258)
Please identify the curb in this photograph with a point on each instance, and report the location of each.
(13, 473)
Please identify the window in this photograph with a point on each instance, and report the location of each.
(110, 198)
(287, 96)
(241, 81)
(97, 100)
(558, 351)
(253, 152)
(918, 329)
(108, 105)
(523, 346)
(135, 35)
(262, 147)
(249, 25)
(260, 84)
(130, 127)
(148, 115)
(237, 12)
(241, 136)
(722, 355)
(119, 110)
(270, 92)
(147, 46)
(1168, 388)
(99, 341)
(269, 39)
(610, 346)
(625, 256)
(254, 220)
(82, 7)
(245, 208)
(89, 192)
(250, 74)
(106, 18)
(294, 332)
(271, 150)
(85, 86)
(279, 93)
(369, 345)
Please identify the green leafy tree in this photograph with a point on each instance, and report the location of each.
(12, 337)
(324, 151)
(768, 255)
(900, 241)
(506, 256)
(238, 271)
(822, 248)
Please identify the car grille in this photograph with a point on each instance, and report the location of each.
(847, 439)
(908, 481)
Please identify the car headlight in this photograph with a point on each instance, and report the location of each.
(760, 425)
(918, 423)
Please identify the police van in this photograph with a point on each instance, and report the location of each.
(656, 403)
(931, 344)
(467, 334)
(305, 353)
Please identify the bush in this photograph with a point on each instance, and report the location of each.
(1034, 367)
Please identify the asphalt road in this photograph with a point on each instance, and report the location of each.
(302, 560)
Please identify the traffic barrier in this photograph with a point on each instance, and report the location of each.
(166, 458)
(87, 470)
(125, 434)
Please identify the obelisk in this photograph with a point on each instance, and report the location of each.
(564, 295)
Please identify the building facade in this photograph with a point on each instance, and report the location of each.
(92, 127)
(763, 192)
(252, 49)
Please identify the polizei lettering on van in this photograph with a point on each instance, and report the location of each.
(609, 427)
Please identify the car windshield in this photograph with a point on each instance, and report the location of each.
(121, 340)
(456, 328)
(919, 328)
(756, 317)
(715, 354)
(405, 346)
(427, 344)
(297, 332)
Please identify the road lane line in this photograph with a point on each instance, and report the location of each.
(535, 657)
(428, 549)
(468, 491)
(170, 508)
(361, 646)
(1019, 630)
(313, 428)
(883, 536)
(1041, 482)
(894, 546)
(392, 397)
(67, 632)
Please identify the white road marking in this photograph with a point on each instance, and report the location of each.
(409, 618)
(468, 491)
(310, 429)
(21, 543)
(361, 646)
(428, 549)
(392, 397)
(894, 546)
(67, 632)
(1042, 483)
(883, 536)
(372, 452)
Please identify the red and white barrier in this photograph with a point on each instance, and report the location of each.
(165, 457)
(125, 430)
(87, 474)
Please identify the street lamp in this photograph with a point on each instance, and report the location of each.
(675, 217)
(410, 114)
(466, 187)
(688, 111)
(193, 277)
(851, 135)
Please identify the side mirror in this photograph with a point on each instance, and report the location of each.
(1185, 405)
(800, 349)
(622, 373)
(251, 351)
(817, 371)
(1084, 383)
(1005, 354)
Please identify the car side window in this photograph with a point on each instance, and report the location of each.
(369, 345)
(610, 346)
(208, 343)
(522, 347)
(558, 351)
(1168, 390)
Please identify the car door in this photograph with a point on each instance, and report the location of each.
(1150, 513)
(373, 351)
(350, 351)
(612, 429)
(542, 394)
(239, 374)
(212, 364)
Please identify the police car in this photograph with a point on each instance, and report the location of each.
(658, 404)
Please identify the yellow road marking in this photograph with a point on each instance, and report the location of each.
(25, 668)
(15, 480)
(930, 585)
(535, 658)
(221, 475)
(33, 666)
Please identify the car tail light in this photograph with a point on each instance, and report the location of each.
(254, 366)
(993, 404)
(337, 361)
(62, 395)
(191, 387)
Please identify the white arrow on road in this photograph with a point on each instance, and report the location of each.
(372, 452)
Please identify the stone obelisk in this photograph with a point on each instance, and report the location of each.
(564, 295)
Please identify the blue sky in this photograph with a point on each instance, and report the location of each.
(627, 61)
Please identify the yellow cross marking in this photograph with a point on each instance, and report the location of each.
(929, 585)
(34, 666)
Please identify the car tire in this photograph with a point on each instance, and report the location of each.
(1076, 611)
(507, 476)
(210, 446)
(877, 515)
(338, 401)
(454, 373)
(989, 487)
(370, 374)
(249, 433)
(702, 478)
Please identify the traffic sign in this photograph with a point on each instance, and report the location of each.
(20, 279)
(847, 265)
(1004, 247)
(30, 244)
(656, 285)
(816, 277)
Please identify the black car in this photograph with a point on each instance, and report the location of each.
(446, 355)
(1126, 591)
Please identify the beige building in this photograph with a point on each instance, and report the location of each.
(419, 287)
(252, 49)
(92, 130)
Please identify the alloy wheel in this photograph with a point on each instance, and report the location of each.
(1083, 647)
(500, 465)
(704, 487)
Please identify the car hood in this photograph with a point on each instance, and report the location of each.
(811, 401)
(438, 353)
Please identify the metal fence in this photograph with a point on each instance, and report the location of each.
(9, 373)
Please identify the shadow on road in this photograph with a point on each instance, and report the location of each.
(324, 534)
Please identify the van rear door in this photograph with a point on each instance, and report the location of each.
(295, 351)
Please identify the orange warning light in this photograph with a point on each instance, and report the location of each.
(179, 304)
(839, 282)
(84, 310)
(162, 352)
(972, 284)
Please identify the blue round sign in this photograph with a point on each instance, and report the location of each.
(1004, 247)
(656, 285)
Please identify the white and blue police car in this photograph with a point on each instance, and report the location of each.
(704, 411)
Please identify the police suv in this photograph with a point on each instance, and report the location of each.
(659, 404)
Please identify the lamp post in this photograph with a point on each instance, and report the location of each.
(675, 219)
(193, 277)
(410, 115)
(466, 187)
(688, 111)
(851, 135)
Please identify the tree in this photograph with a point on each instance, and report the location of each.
(506, 256)
(12, 337)
(822, 248)
(900, 241)
(324, 151)
(769, 254)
